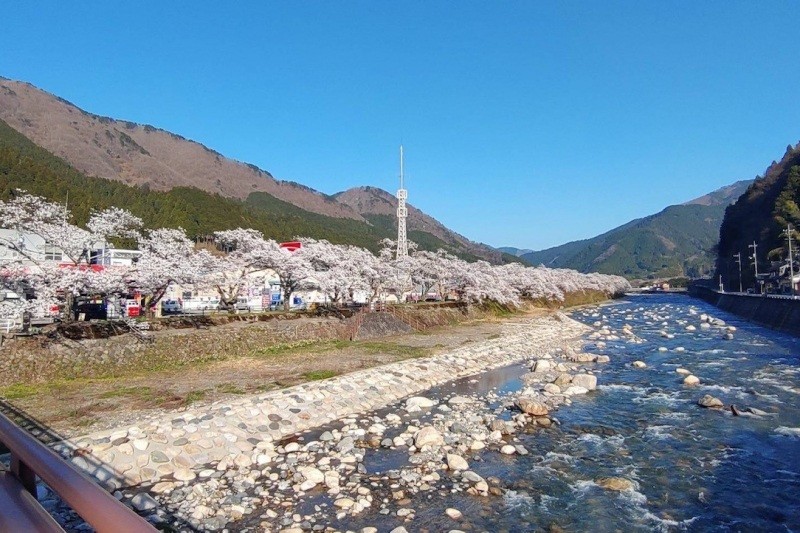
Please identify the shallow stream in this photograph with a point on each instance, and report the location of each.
(693, 468)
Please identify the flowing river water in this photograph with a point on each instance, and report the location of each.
(692, 468)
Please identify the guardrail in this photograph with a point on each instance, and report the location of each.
(19, 510)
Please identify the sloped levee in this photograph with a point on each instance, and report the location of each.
(782, 314)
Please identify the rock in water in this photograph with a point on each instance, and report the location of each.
(709, 401)
(455, 514)
(615, 483)
(531, 406)
(418, 402)
(456, 462)
(587, 381)
(428, 436)
(639, 364)
(691, 380)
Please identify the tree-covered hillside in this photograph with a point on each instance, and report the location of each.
(760, 215)
(678, 241)
(26, 166)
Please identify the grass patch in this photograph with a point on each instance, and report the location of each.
(286, 348)
(391, 348)
(18, 391)
(194, 396)
(493, 336)
(316, 375)
(228, 388)
(137, 392)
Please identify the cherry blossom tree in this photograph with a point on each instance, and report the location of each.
(34, 216)
(168, 256)
(245, 262)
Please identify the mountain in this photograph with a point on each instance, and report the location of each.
(380, 208)
(677, 241)
(760, 215)
(52, 148)
(142, 155)
(517, 252)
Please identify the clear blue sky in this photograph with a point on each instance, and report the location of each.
(525, 123)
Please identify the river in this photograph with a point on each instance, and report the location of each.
(692, 468)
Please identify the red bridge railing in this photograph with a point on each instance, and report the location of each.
(19, 509)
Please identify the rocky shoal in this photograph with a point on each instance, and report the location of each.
(223, 461)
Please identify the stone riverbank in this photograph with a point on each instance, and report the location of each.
(168, 451)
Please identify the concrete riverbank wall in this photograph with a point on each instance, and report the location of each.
(782, 314)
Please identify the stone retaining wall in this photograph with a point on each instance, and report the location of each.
(178, 445)
(782, 314)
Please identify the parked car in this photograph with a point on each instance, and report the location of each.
(171, 307)
(242, 305)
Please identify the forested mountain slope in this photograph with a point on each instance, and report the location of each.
(25, 166)
(760, 215)
(674, 242)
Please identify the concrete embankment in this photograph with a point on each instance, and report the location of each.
(179, 445)
(782, 314)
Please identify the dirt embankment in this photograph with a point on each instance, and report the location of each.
(126, 379)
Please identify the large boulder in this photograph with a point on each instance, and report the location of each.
(691, 380)
(419, 402)
(710, 402)
(428, 436)
(587, 381)
(456, 462)
(542, 365)
(563, 379)
(532, 406)
(615, 483)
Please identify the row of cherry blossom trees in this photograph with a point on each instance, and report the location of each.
(168, 256)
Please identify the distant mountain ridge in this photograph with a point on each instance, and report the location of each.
(518, 252)
(677, 241)
(154, 159)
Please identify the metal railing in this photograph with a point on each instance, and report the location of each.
(31, 459)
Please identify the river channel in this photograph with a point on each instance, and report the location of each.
(692, 468)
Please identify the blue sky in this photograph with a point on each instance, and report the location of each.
(524, 123)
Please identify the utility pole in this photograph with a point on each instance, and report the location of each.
(738, 257)
(788, 232)
(754, 257)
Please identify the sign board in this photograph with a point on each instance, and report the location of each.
(291, 246)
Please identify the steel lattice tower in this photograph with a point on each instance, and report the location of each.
(402, 214)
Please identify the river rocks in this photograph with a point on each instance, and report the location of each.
(312, 475)
(532, 406)
(184, 474)
(417, 403)
(508, 450)
(542, 365)
(639, 364)
(459, 400)
(144, 502)
(455, 514)
(574, 390)
(456, 462)
(711, 402)
(615, 483)
(552, 388)
(682, 371)
(428, 436)
(587, 381)
(691, 380)
(563, 379)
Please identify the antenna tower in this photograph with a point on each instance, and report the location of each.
(402, 214)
